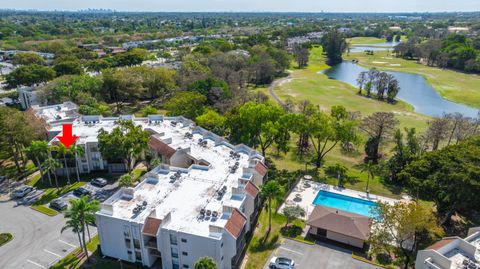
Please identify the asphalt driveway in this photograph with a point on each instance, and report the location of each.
(318, 256)
(37, 241)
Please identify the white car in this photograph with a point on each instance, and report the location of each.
(22, 191)
(281, 263)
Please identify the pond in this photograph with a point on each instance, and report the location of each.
(363, 49)
(414, 89)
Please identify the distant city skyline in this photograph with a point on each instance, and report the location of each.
(250, 5)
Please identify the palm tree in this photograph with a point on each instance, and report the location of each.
(78, 151)
(271, 190)
(370, 168)
(205, 263)
(64, 151)
(51, 165)
(38, 150)
(73, 223)
(82, 211)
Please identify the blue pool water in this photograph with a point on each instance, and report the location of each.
(346, 203)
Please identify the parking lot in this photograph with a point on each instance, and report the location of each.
(37, 241)
(318, 256)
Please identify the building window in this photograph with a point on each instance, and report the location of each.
(221, 245)
(221, 258)
(129, 255)
(173, 239)
(185, 266)
(185, 253)
(128, 243)
(174, 252)
(126, 231)
(184, 240)
(136, 243)
(138, 256)
(175, 264)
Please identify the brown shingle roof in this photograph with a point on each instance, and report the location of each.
(339, 221)
(445, 241)
(161, 147)
(252, 189)
(261, 168)
(236, 223)
(151, 226)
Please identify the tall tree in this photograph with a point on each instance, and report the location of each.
(370, 168)
(38, 151)
(271, 191)
(127, 142)
(51, 165)
(80, 214)
(407, 225)
(256, 124)
(205, 263)
(28, 75)
(64, 152)
(379, 126)
(78, 152)
(292, 213)
(449, 177)
(334, 45)
(187, 104)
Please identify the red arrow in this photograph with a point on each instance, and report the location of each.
(67, 139)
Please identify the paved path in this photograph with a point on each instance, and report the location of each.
(37, 241)
(274, 84)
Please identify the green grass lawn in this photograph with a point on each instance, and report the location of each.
(97, 262)
(45, 210)
(309, 84)
(365, 40)
(262, 244)
(5, 238)
(452, 85)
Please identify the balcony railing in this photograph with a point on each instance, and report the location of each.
(155, 252)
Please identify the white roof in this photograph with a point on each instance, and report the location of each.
(196, 189)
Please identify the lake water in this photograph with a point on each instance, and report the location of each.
(363, 49)
(414, 89)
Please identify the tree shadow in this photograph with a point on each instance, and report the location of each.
(265, 243)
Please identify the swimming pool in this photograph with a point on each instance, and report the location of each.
(346, 203)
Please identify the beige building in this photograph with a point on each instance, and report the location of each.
(340, 226)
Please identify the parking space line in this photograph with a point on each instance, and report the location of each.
(53, 253)
(34, 263)
(287, 249)
(66, 243)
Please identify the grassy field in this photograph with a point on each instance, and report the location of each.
(365, 40)
(262, 244)
(309, 84)
(452, 85)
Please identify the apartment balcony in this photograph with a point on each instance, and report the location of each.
(155, 253)
(152, 243)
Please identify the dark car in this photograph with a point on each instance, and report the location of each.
(99, 182)
(2, 178)
(81, 192)
(58, 204)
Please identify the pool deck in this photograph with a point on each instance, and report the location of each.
(305, 192)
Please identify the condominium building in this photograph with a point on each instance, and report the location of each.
(452, 253)
(200, 202)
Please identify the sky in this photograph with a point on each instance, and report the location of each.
(250, 5)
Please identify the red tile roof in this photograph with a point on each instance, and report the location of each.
(445, 241)
(261, 168)
(151, 226)
(252, 189)
(236, 223)
(339, 221)
(161, 147)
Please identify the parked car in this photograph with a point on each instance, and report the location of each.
(81, 192)
(281, 263)
(2, 178)
(22, 191)
(100, 182)
(58, 204)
